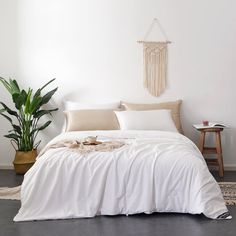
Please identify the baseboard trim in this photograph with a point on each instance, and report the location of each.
(6, 167)
(230, 167)
(227, 167)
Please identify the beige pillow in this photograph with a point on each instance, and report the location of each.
(81, 120)
(173, 106)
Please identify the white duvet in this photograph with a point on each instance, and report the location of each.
(154, 172)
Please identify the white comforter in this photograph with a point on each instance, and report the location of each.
(155, 172)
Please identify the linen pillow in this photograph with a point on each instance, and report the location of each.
(173, 106)
(146, 120)
(81, 120)
(71, 105)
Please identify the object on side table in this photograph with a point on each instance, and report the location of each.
(207, 124)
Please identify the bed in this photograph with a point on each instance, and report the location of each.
(154, 168)
(155, 171)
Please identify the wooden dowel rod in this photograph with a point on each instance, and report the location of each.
(153, 41)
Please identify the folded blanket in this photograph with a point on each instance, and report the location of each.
(83, 148)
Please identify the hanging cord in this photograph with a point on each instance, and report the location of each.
(155, 21)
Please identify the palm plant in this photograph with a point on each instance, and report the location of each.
(26, 115)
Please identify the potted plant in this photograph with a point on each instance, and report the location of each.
(24, 119)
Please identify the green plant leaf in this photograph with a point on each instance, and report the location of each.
(41, 113)
(27, 103)
(37, 144)
(44, 125)
(14, 86)
(35, 105)
(7, 117)
(47, 97)
(17, 129)
(19, 99)
(40, 128)
(47, 84)
(24, 95)
(15, 97)
(37, 94)
(12, 136)
(5, 84)
(8, 110)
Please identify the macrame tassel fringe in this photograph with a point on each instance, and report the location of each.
(155, 66)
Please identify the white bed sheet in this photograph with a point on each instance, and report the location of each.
(155, 171)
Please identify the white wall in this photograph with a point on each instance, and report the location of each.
(8, 64)
(90, 47)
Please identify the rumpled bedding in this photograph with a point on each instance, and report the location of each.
(155, 171)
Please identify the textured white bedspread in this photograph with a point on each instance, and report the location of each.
(155, 172)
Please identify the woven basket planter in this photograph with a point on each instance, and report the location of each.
(24, 160)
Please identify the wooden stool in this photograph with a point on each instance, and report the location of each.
(213, 150)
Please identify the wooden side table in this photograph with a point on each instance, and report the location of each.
(212, 150)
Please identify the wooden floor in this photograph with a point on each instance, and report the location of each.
(137, 225)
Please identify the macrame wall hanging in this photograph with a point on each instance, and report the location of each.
(155, 59)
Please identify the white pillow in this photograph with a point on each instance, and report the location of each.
(146, 120)
(71, 105)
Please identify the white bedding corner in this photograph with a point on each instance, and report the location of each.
(154, 172)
